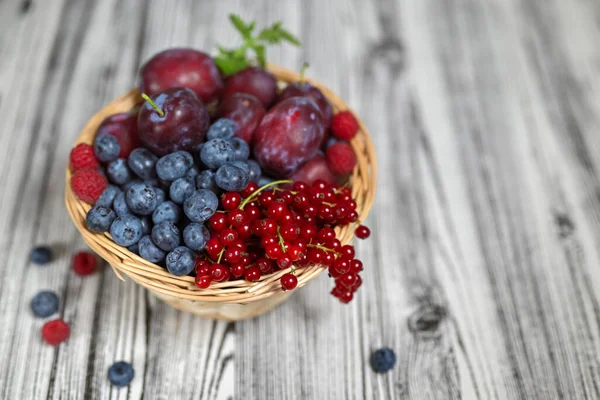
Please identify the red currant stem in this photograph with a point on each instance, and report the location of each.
(328, 204)
(268, 185)
(153, 104)
(220, 255)
(303, 73)
(281, 241)
(318, 246)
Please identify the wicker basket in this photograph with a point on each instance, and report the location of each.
(232, 300)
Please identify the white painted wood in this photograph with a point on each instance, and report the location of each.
(482, 270)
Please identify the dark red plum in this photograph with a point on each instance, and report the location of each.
(314, 169)
(245, 110)
(123, 127)
(255, 81)
(181, 67)
(182, 127)
(288, 136)
(305, 89)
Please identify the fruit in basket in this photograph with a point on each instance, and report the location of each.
(149, 251)
(222, 128)
(88, 185)
(166, 235)
(314, 169)
(181, 67)
(180, 261)
(99, 218)
(344, 125)
(232, 177)
(174, 165)
(181, 189)
(254, 81)
(341, 159)
(288, 136)
(241, 150)
(106, 147)
(118, 172)
(123, 127)
(201, 205)
(126, 230)
(245, 110)
(82, 157)
(141, 161)
(167, 211)
(141, 198)
(195, 236)
(172, 120)
(108, 196)
(217, 152)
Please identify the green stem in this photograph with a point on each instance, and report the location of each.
(281, 241)
(303, 72)
(268, 185)
(318, 246)
(153, 104)
(220, 255)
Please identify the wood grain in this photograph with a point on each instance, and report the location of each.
(482, 269)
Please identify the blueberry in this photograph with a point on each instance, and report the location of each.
(126, 230)
(146, 225)
(174, 165)
(330, 142)
(201, 205)
(120, 374)
(222, 129)
(44, 304)
(106, 147)
(240, 149)
(134, 248)
(142, 162)
(181, 261)
(232, 178)
(167, 211)
(41, 255)
(195, 236)
(206, 180)
(166, 235)
(99, 218)
(161, 196)
(118, 172)
(383, 360)
(108, 196)
(217, 152)
(129, 184)
(192, 172)
(141, 198)
(255, 170)
(241, 164)
(149, 251)
(181, 189)
(264, 180)
(120, 205)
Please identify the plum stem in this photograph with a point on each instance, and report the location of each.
(153, 104)
(303, 72)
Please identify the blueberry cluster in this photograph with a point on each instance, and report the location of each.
(157, 207)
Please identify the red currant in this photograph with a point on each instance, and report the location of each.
(289, 232)
(286, 196)
(362, 232)
(301, 201)
(308, 231)
(228, 236)
(273, 251)
(357, 283)
(237, 270)
(320, 184)
(316, 256)
(284, 261)
(218, 222)
(328, 259)
(276, 210)
(219, 272)
(267, 240)
(202, 281)
(347, 251)
(288, 281)
(325, 212)
(236, 218)
(245, 260)
(233, 255)
(213, 248)
(333, 272)
(294, 252)
(231, 200)
(299, 186)
(356, 266)
(264, 265)
(341, 265)
(325, 235)
(244, 231)
(240, 244)
(334, 244)
(348, 279)
(346, 297)
(202, 266)
(287, 217)
(252, 212)
(310, 211)
(266, 197)
(251, 188)
(252, 274)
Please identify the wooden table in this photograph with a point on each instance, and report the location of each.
(482, 271)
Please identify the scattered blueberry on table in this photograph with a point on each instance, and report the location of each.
(44, 304)
(121, 374)
(383, 360)
(41, 255)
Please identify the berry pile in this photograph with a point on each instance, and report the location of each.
(263, 230)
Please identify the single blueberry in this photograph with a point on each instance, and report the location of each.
(264, 180)
(222, 129)
(255, 170)
(240, 149)
(149, 251)
(181, 261)
(129, 184)
(99, 218)
(232, 178)
(120, 374)
(106, 147)
(142, 162)
(181, 189)
(241, 164)
(41, 255)
(134, 248)
(44, 304)
(331, 141)
(120, 205)
(206, 180)
(161, 196)
(166, 235)
(195, 236)
(126, 230)
(383, 360)
(201, 205)
(141, 199)
(108, 196)
(167, 211)
(118, 172)
(192, 172)
(174, 165)
(146, 225)
(217, 152)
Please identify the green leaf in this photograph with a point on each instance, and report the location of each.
(230, 65)
(261, 55)
(242, 27)
(285, 35)
(269, 35)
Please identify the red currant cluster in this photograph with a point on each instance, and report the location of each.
(262, 230)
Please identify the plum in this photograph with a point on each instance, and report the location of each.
(288, 136)
(314, 169)
(245, 110)
(255, 81)
(123, 127)
(305, 89)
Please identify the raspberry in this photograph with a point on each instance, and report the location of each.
(83, 157)
(340, 158)
(84, 263)
(55, 332)
(88, 185)
(344, 126)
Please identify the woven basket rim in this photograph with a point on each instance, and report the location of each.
(157, 279)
